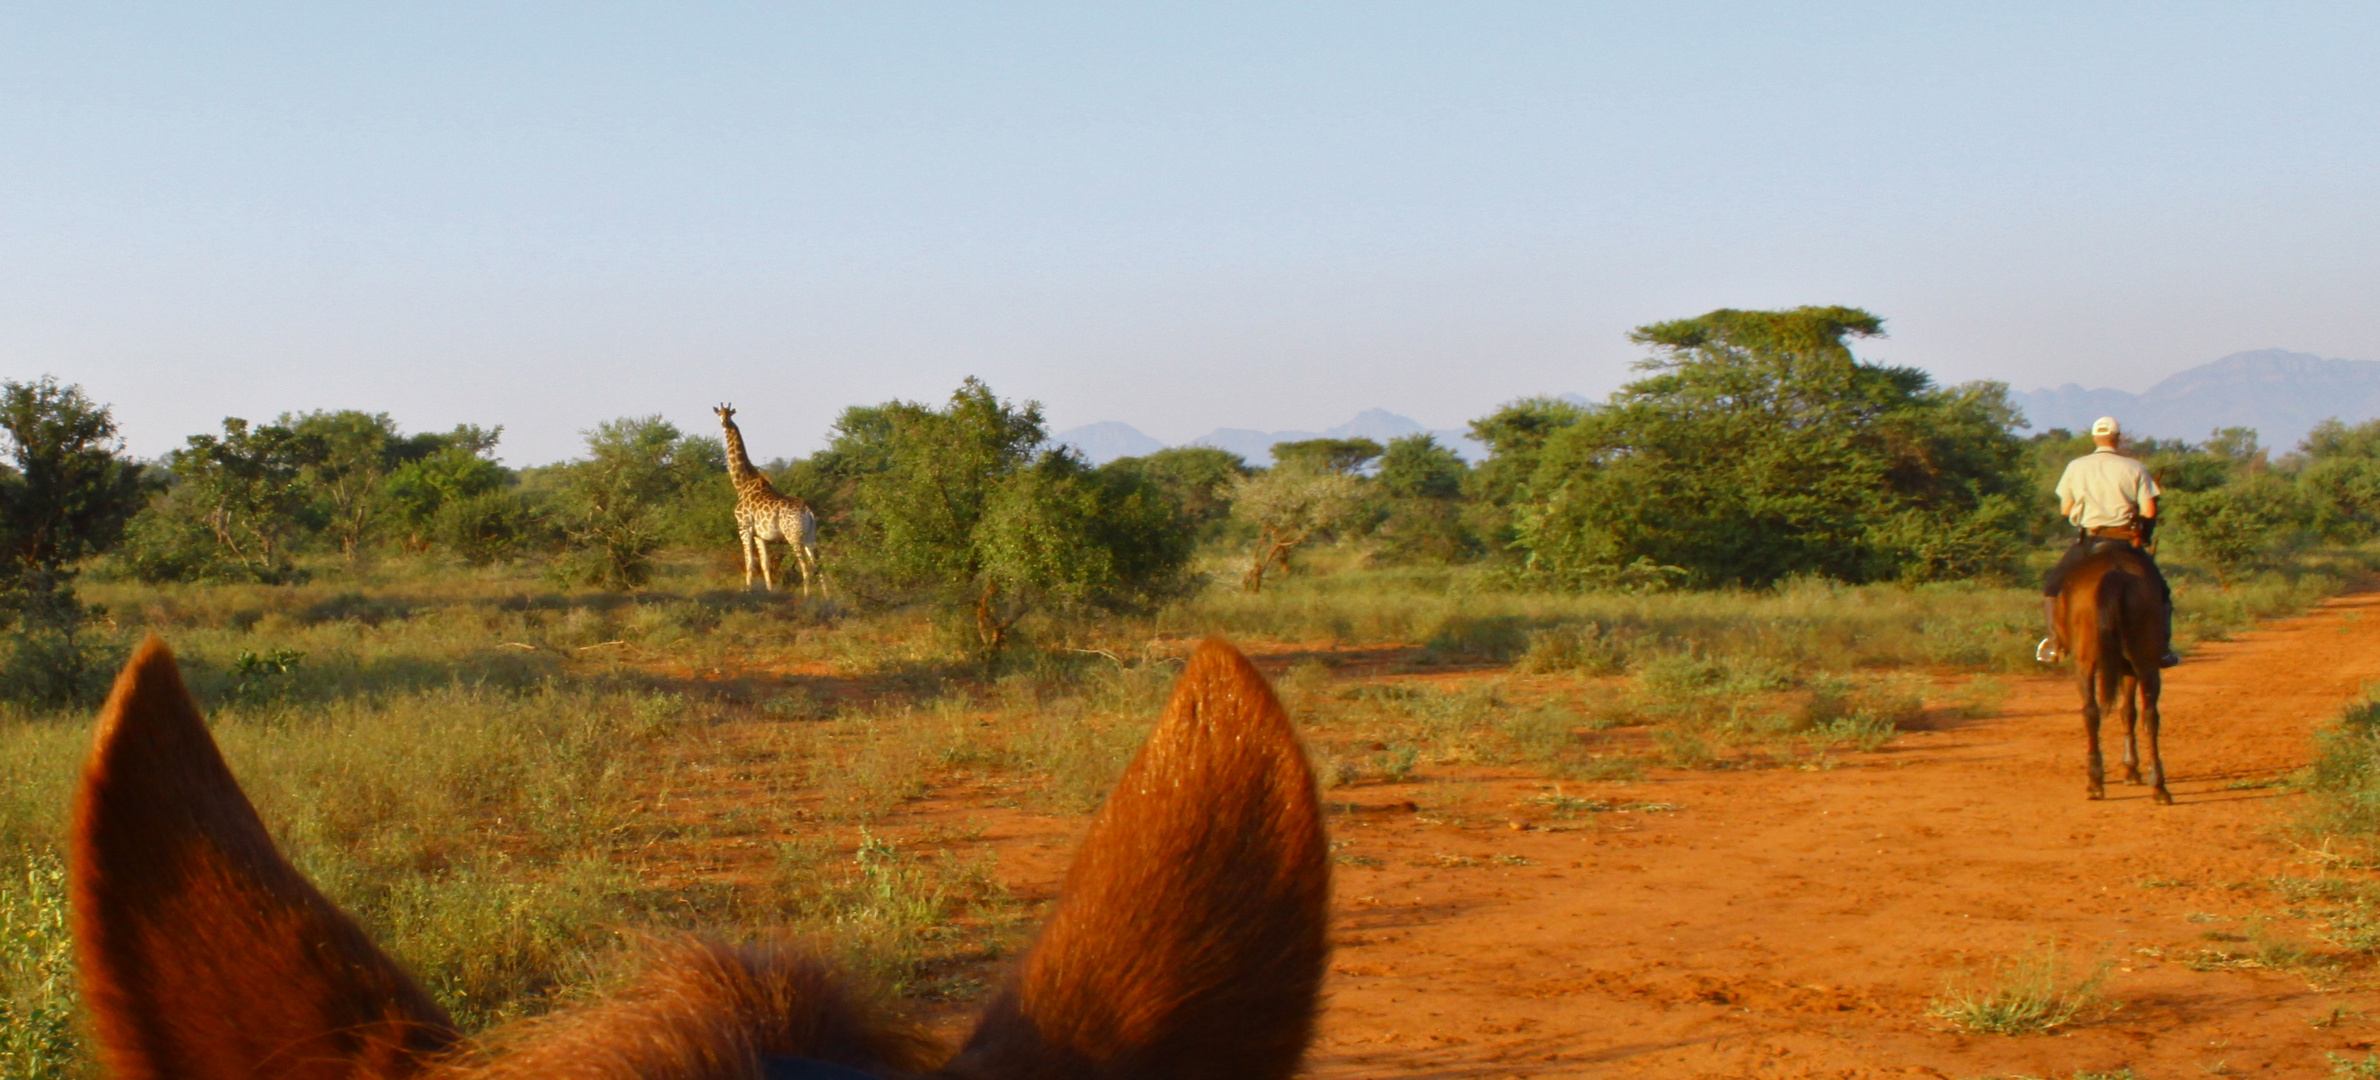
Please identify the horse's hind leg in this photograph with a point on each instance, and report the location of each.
(2152, 683)
(2097, 766)
(2128, 693)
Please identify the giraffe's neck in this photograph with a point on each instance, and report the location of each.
(739, 464)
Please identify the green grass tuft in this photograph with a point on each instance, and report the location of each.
(2028, 995)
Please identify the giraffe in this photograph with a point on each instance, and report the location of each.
(762, 515)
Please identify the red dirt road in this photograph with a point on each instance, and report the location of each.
(1795, 924)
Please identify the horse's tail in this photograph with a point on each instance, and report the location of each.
(2129, 612)
(2113, 605)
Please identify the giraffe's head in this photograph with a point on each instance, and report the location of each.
(726, 414)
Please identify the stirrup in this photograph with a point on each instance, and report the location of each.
(2047, 652)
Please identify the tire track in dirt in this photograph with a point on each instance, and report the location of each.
(1795, 924)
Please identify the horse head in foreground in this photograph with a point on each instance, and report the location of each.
(1188, 940)
(2114, 616)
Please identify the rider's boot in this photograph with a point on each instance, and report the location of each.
(2052, 648)
(2171, 657)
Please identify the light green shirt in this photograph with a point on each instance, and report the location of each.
(2106, 489)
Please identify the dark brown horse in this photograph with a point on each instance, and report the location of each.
(2114, 618)
(1189, 939)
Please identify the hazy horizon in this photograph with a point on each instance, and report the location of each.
(1182, 218)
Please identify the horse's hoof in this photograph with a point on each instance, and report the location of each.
(2163, 797)
(2098, 793)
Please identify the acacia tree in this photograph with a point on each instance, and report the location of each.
(1758, 447)
(1289, 506)
(247, 488)
(1326, 455)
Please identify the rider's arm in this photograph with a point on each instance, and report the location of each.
(2148, 506)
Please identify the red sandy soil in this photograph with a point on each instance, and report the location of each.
(1796, 924)
(1791, 923)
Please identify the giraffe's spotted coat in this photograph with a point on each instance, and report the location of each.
(763, 514)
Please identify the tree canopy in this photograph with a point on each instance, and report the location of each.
(1758, 447)
(66, 490)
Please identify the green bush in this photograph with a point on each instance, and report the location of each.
(970, 508)
(491, 527)
(164, 544)
(2233, 528)
(1196, 478)
(1586, 648)
(39, 1038)
(2345, 777)
(631, 495)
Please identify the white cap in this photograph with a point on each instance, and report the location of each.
(2105, 425)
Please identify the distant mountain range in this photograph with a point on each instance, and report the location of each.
(2281, 394)
(1108, 440)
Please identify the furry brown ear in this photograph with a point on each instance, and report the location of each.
(204, 955)
(1190, 939)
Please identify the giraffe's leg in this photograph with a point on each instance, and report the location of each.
(743, 536)
(804, 540)
(761, 541)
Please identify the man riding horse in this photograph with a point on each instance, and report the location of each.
(2112, 499)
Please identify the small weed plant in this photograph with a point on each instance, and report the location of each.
(2347, 1068)
(38, 1039)
(2028, 995)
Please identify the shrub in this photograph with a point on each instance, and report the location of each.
(616, 505)
(1586, 648)
(490, 527)
(1196, 478)
(2345, 777)
(166, 543)
(38, 1036)
(972, 509)
(2231, 528)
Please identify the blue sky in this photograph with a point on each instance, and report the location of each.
(1178, 216)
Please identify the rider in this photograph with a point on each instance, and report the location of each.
(2113, 500)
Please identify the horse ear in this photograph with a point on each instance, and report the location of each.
(204, 954)
(1190, 937)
